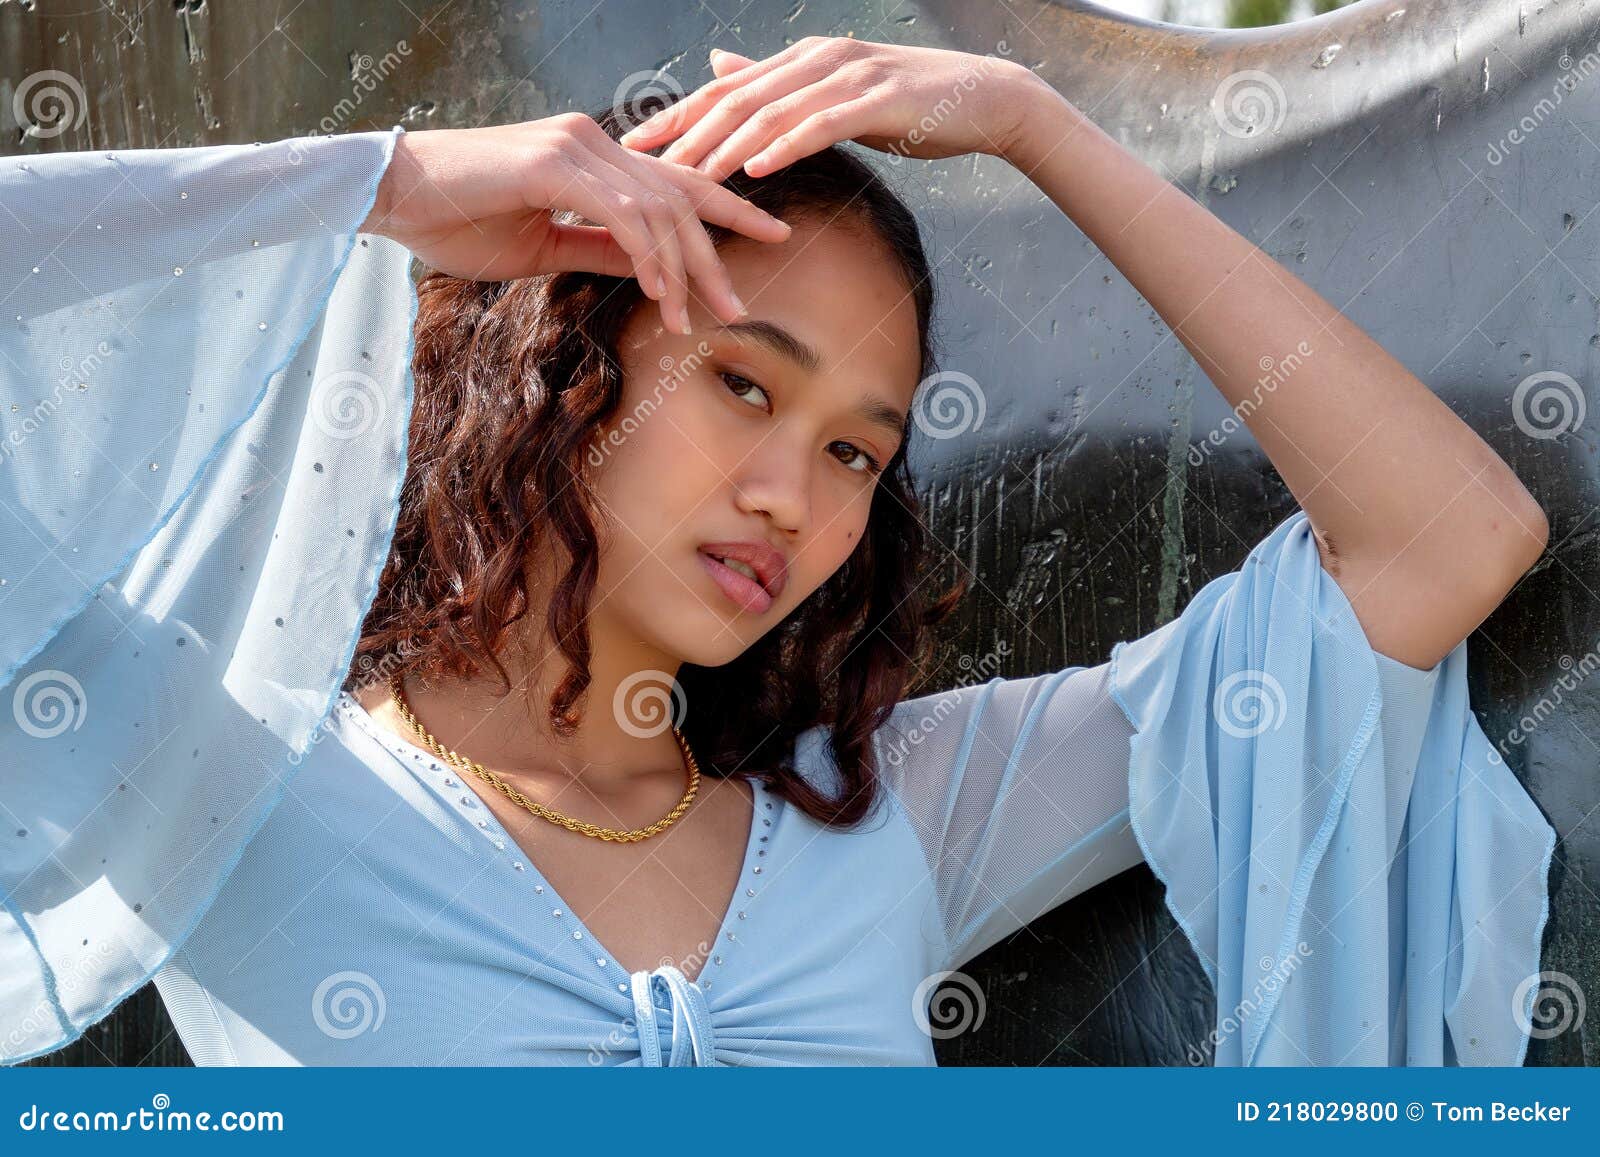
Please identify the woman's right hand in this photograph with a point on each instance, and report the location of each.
(477, 203)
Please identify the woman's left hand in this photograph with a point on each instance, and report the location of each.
(918, 102)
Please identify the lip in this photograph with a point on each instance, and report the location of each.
(769, 564)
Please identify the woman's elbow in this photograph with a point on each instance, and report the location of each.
(1518, 531)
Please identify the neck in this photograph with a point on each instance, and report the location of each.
(622, 742)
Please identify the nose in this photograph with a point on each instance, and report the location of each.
(693, 1040)
(776, 481)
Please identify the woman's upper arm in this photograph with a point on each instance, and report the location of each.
(1417, 605)
(150, 296)
(1018, 790)
(205, 393)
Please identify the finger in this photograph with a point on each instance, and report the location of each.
(688, 205)
(746, 102)
(608, 196)
(724, 62)
(677, 117)
(819, 130)
(777, 118)
(664, 245)
(722, 206)
(585, 249)
(705, 265)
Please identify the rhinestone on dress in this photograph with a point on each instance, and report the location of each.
(577, 935)
(517, 865)
(556, 912)
(600, 960)
(538, 887)
(756, 869)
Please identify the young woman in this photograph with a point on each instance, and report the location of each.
(612, 514)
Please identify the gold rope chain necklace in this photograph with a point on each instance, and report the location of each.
(582, 827)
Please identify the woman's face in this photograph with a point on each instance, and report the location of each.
(771, 435)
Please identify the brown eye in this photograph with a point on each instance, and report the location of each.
(864, 462)
(739, 387)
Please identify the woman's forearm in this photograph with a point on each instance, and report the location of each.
(1422, 524)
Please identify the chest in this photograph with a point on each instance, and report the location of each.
(659, 900)
(377, 918)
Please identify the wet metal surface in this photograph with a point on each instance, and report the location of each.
(1429, 166)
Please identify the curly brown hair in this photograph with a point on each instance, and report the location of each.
(511, 381)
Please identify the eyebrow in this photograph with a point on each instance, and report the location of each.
(780, 341)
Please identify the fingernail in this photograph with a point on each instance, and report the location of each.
(715, 52)
(737, 304)
(661, 286)
(683, 318)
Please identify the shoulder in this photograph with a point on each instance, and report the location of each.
(815, 763)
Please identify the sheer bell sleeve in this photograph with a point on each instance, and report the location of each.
(205, 393)
(1361, 877)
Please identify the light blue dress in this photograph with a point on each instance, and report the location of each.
(205, 391)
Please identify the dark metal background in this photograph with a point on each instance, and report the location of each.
(1073, 503)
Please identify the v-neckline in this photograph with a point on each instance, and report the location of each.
(748, 867)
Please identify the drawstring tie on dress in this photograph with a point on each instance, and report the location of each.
(690, 1018)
